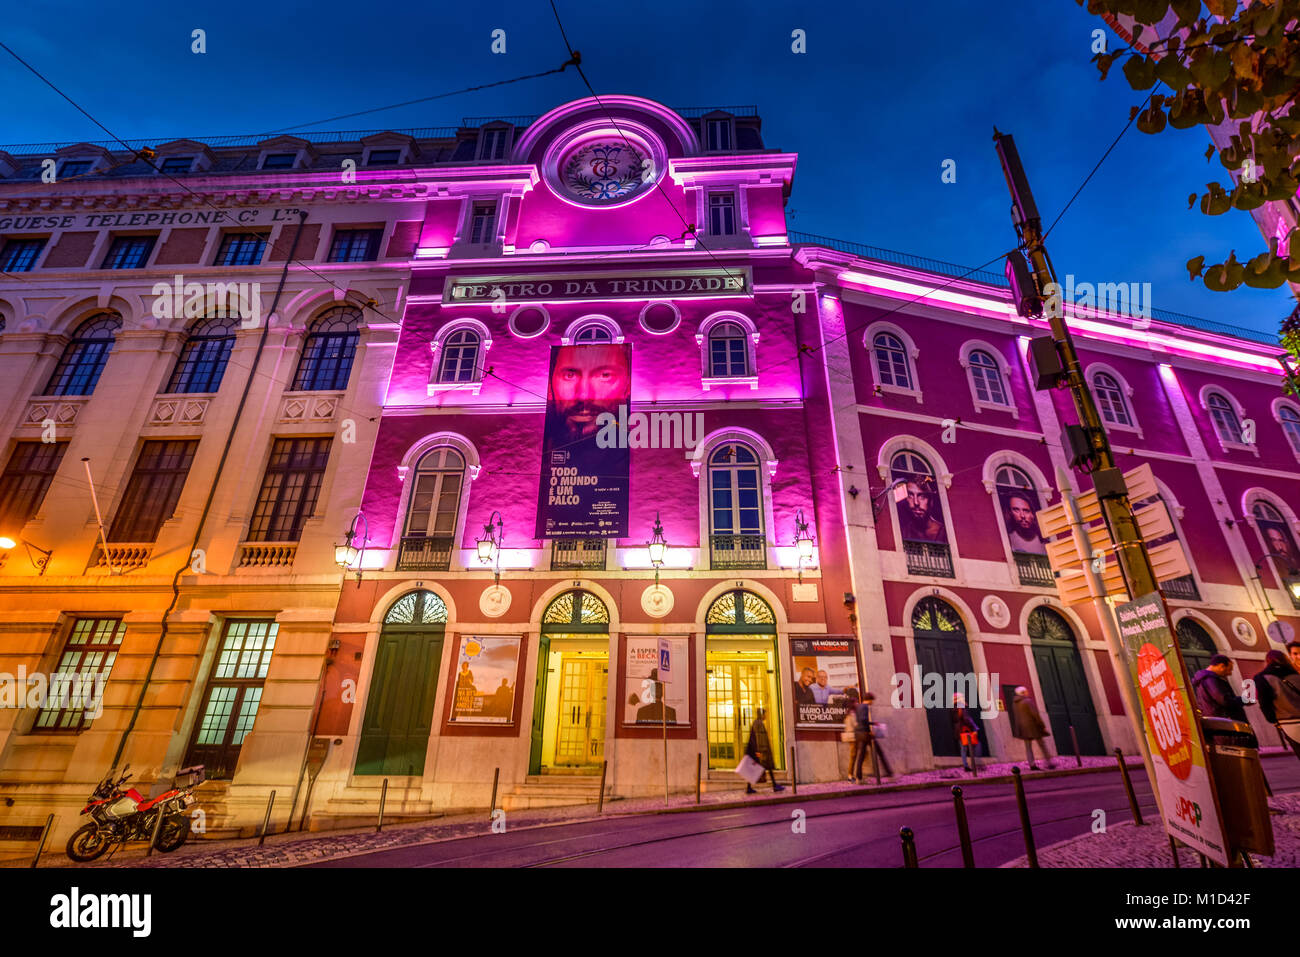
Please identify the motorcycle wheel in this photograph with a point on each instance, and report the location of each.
(87, 843)
(174, 832)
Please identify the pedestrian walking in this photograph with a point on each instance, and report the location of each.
(865, 739)
(849, 734)
(1278, 686)
(759, 747)
(1029, 727)
(965, 730)
(1214, 695)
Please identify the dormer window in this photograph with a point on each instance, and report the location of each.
(173, 165)
(279, 160)
(717, 134)
(70, 168)
(482, 226)
(492, 143)
(384, 158)
(722, 214)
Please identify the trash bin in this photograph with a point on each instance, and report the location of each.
(1239, 780)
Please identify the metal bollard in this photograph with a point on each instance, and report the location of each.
(1173, 849)
(600, 802)
(1128, 786)
(963, 828)
(875, 758)
(909, 847)
(794, 772)
(697, 778)
(266, 821)
(49, 824)
(1074, 738)
(1026, 828)
(383, 799)
(496, 779)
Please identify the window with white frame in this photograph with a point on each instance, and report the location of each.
(718, 134)
(460, 357)
(592, 333)
(892, 365)
(722, 214)
(435, 494)
(482, 225)
(1224, 416)
(735, 508)
(1289, 419)
(986, 376)
(1110, 399)
(728, 351)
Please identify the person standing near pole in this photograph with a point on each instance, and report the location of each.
(965, 730)
(1278, 686)
(1214, 695)
(865, 739)
(759, 748)
(1030, 727)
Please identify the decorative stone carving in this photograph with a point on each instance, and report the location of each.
(995, 611)
(495, 601)
(657, 601)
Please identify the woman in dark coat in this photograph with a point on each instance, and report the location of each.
(1278, 687)
(759, 748)
(1028, 726)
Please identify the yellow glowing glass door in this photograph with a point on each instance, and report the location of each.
(580, 738)
(737, 687)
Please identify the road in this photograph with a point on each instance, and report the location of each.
(853, 831)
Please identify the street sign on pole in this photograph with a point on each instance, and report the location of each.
(665, 668)
(1185, 788)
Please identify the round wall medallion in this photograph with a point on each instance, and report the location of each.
(603, 165)
(995, 611)
(660, 318)
(1244, 631)
(529, 322)
(657, 601)
(495, 601)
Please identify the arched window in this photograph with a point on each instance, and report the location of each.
(739, 612)
(921, 523)
(1048, 625)
(430, 532)
(986, 376)
(84, 357)
(934, 615)
(593, 333)
(203, 358)
(417, 608)
(576, 612)
(1018, 508)
(1278, 540)
(1224, 416)
(460, 357)
(736, 508)
(892, 366)
(728, 351)
(1110, 399)
(326, 363)
(1289, 419)
(1195, 643)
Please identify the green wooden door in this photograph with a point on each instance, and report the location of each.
(1066, 697)
(399, 712)
(539, 705)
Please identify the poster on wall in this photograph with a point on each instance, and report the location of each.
(584, 485)
(825, 670)
(920, 514)
(1020, 516)
(485, 680)
(647, 691)
(1278, 539)
(1173, 731)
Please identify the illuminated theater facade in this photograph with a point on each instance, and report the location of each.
(628, 461)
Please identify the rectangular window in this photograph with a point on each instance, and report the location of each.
(355, 245)
(722, 214)
(25, 481)
(289, 489)
(493, 144)
(19, 255)
(482, 225)
(279, 160)
(241, 249)
(177, 164)
(232, 697)
(75, 694)
(153, 490)
(719, 134)
(72, 168)
(383, 157)
(129, 252)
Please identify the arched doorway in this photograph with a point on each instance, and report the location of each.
(568, 733)
(942, 650)
(1196, 645)
(399, 706)
(742, 676)
(1066, 697)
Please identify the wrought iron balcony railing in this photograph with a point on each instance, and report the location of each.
(1183, 589)
(737, 551)
(1034, 569)
(929, 558)
(425, 553)
(587, 554)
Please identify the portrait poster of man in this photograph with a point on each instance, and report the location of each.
(584, 487)
(485, 680)
(920, 514)
(825, 672)
(1278, 540)
(1020, 516)
(647, 692)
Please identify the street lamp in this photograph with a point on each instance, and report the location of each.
(657, 547)
(803, 540)
(347, 554)
(7, 542)
(489, 546)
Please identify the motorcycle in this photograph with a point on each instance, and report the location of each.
(119, 815)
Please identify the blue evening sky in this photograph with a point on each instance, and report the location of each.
(885, 93)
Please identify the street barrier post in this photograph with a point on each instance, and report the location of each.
(383, 799)
(963, 828)
(600, 802)
(266, 821)
(909, 847)
(496, 779)
(1128, 787)
(45, 833)
(1031, 853)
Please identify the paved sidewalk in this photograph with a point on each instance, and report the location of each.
(288, 850)
(1126, 845)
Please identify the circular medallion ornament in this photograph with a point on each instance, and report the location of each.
(495, 601)
(605, 172)
(995, 611)
(1244, 631)
(657, 601)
